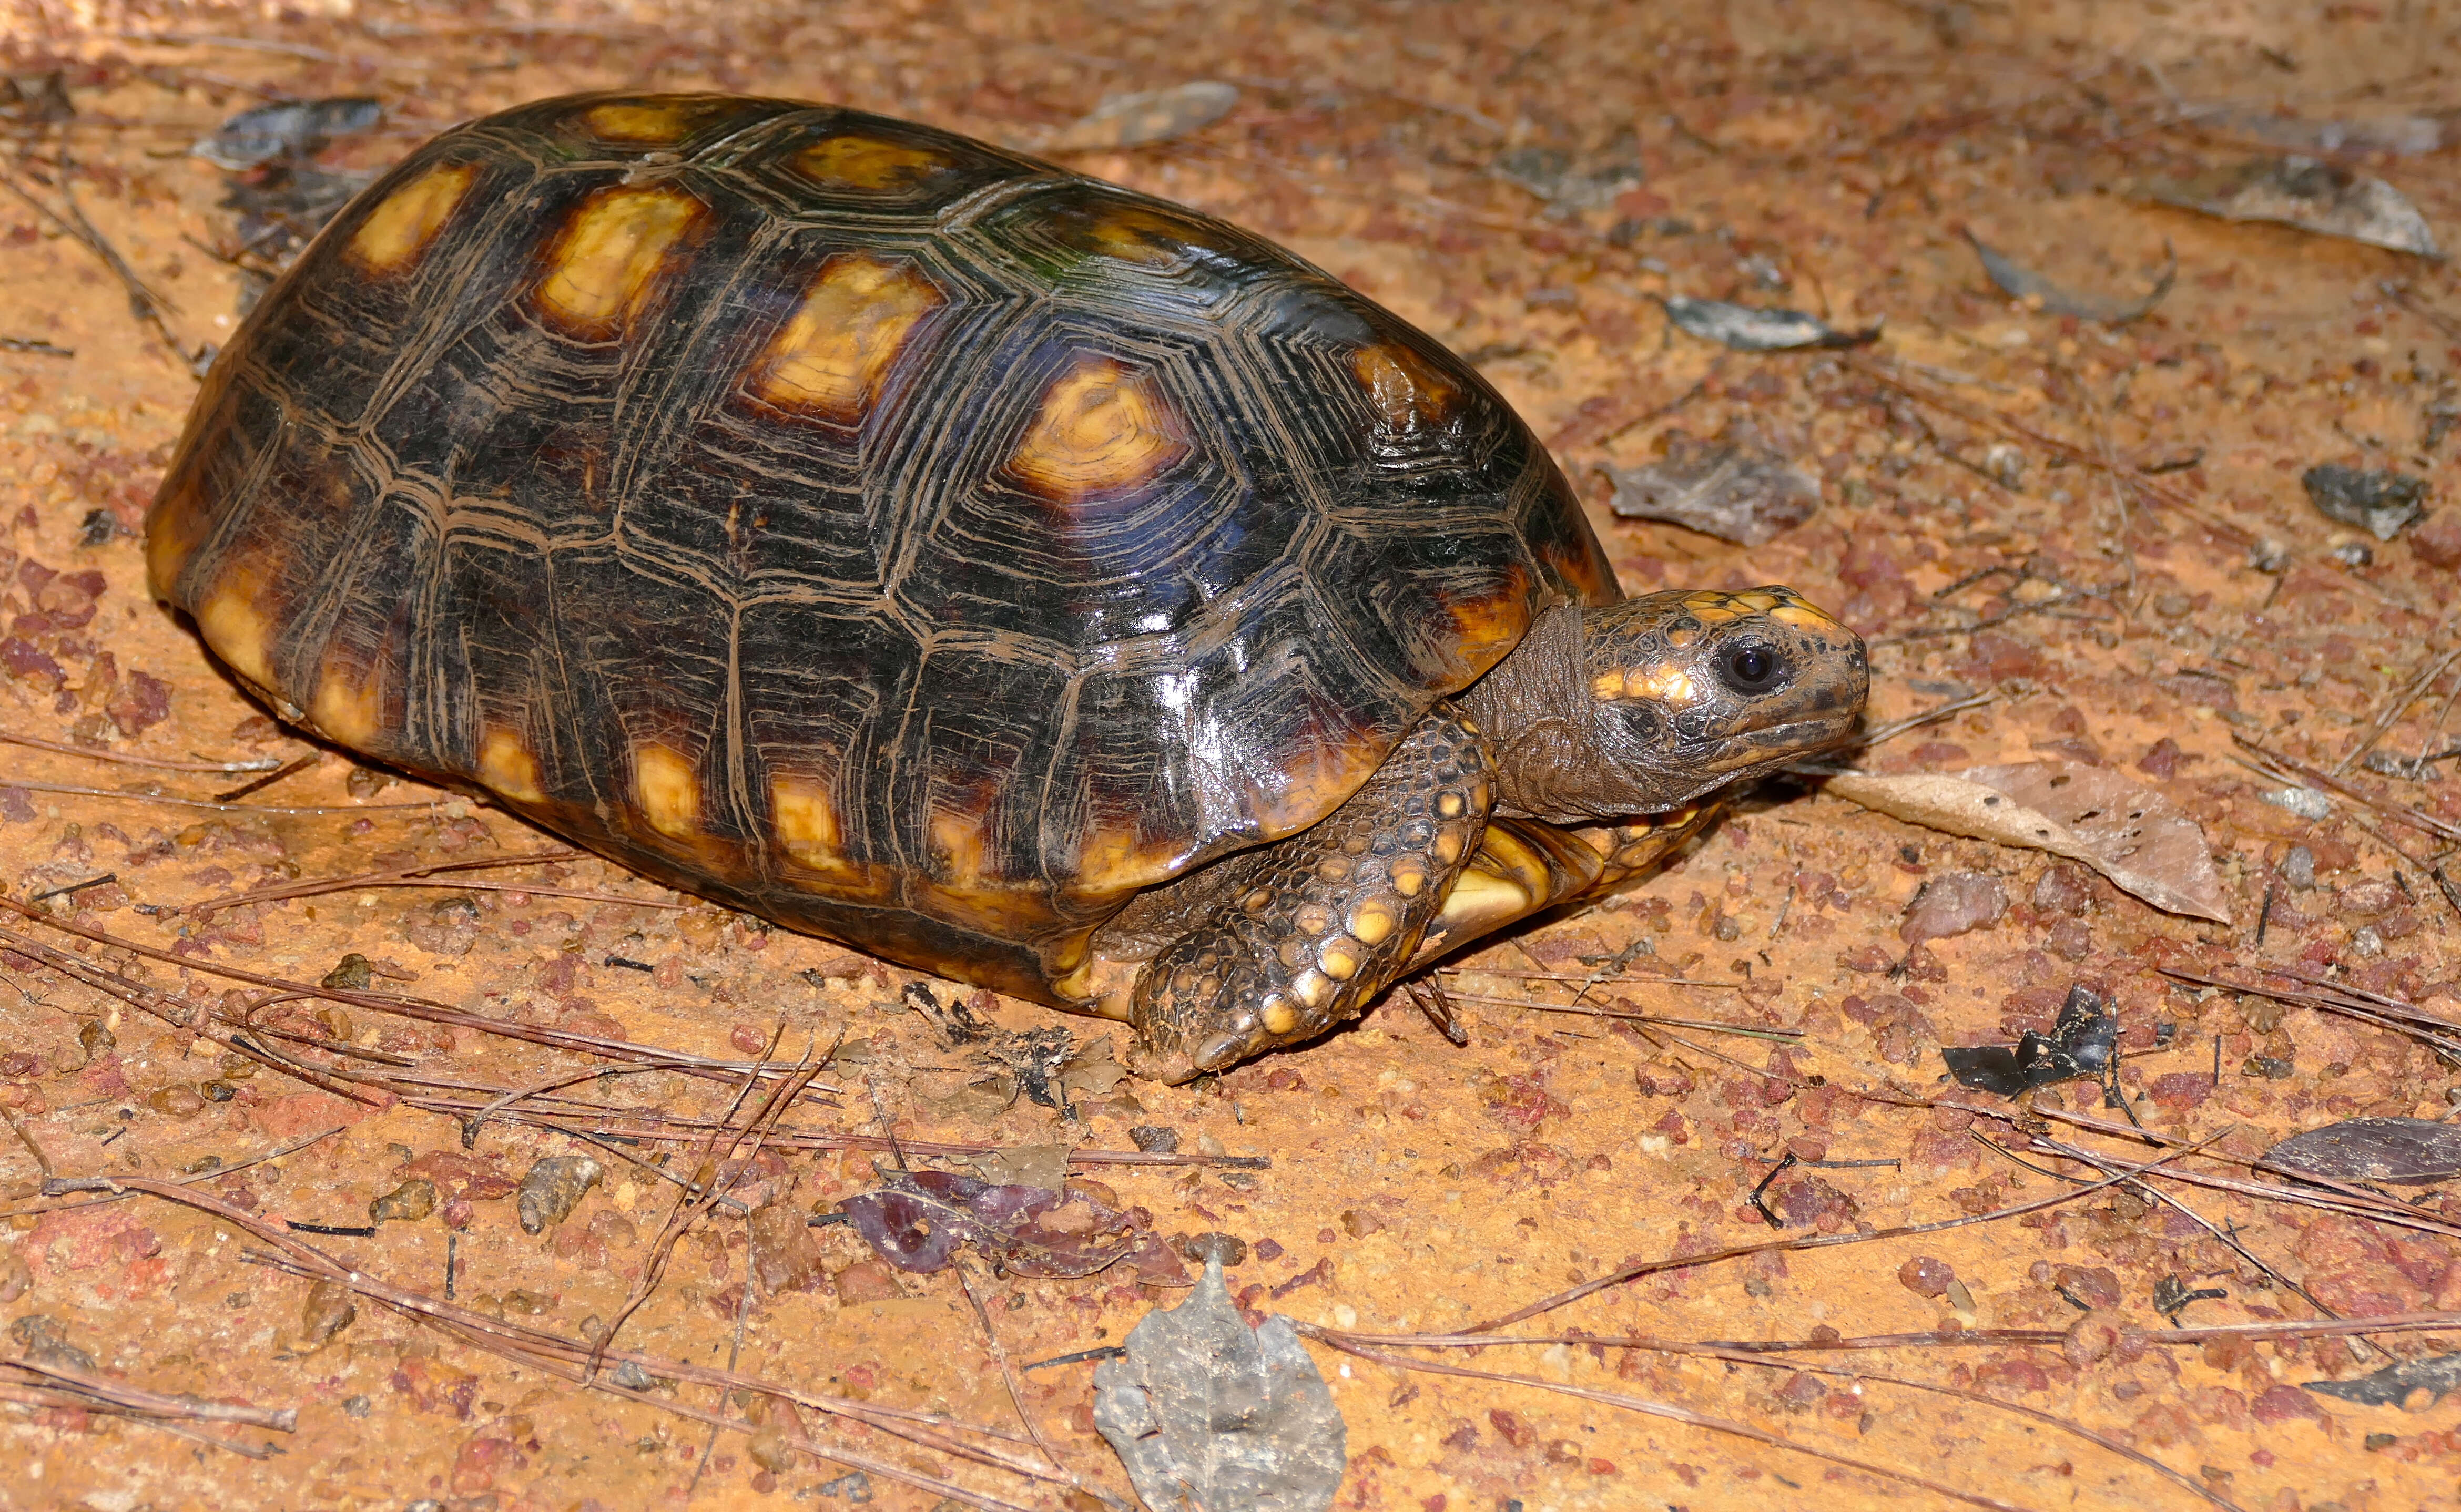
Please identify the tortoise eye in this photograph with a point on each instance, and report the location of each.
(1751, 669)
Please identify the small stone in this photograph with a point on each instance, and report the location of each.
(217, 1090)
(2437, 542)
(2268, 555)
(1954, 903)
(1153, 1138)
(854, 1486)
(553, 1188)
(408, 1202)
(178, 1102)
(632, 1378)
(2298, 868)
(1201, 1248)
(2355, 554)
(2383, 504)
(770, 1450)
(2089, 1338)
(46, 1343)
(1360, 1225)
(2304, 801)
(349, 974)
(1926, 1277)
(867, 1281)
(330, 1309)
(356, 1407)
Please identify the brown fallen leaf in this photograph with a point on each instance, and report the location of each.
(2134, 836)
(2313, 196)
(1140, 120)
(1736, 487)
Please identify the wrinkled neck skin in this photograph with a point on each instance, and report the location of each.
(1534, 708)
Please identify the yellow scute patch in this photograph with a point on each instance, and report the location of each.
(346, 706)
(1101, 426)
(866, 163)
(1802, 616)
(508, 765)
(1409, 395)
(605, 260)
(806, 822)
(835, 352)
(396, 231)
(1116, 861)
(651, 120)
(235, 627)
(667, 789)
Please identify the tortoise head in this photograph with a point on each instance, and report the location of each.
(1641, 706)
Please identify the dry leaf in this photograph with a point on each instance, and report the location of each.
(2018, 281)
(1139, 120)
(2134, 836)
(2310, 195)
(2397, 1151)
(917, 1221)
(1735, 488)
(1745, 329)
(1211, 1415)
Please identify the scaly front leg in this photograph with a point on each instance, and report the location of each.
(1322, 922)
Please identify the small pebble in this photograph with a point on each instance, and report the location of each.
(769, 1451)
(1954, 903)
(408, 1202)
(349, 974)
(330, 1309)
(2304, 801)
(178, 1102)
(553, 1187)
(356, 1407)
(1925, 1276)
(2298, 868)
(1153, 1138)
(1201, 1248)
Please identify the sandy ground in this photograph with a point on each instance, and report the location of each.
(1828, 157)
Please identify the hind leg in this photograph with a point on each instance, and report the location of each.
(1322, 922)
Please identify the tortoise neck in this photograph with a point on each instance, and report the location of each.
(1533, 709)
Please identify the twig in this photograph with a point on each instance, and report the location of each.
(2395, 707)
(208, 803)
(123, 758)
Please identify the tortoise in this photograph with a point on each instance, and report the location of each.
(922, 547)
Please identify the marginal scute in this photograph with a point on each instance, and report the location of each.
(1103, 427)
(834, 353)
(605, 261)
(866, 163)
(397, 233)
(348, 708)
(235, 626)
(667, 789)
(508, 766)
(1112, 860)
(806, 823)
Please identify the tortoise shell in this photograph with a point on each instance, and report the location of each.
(882, 532)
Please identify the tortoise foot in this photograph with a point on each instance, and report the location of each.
(1324, 921)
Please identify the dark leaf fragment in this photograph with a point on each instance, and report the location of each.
(2309, 194)
(2081, 1043)
(917, 1221)
(2023, 282)
(1748, 329)
(2392, 1386)
(2383, 504)
(1734, 488)
(1211, 1415)
(291, 130)
(2400, 1151)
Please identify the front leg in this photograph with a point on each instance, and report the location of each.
(1323, 920)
